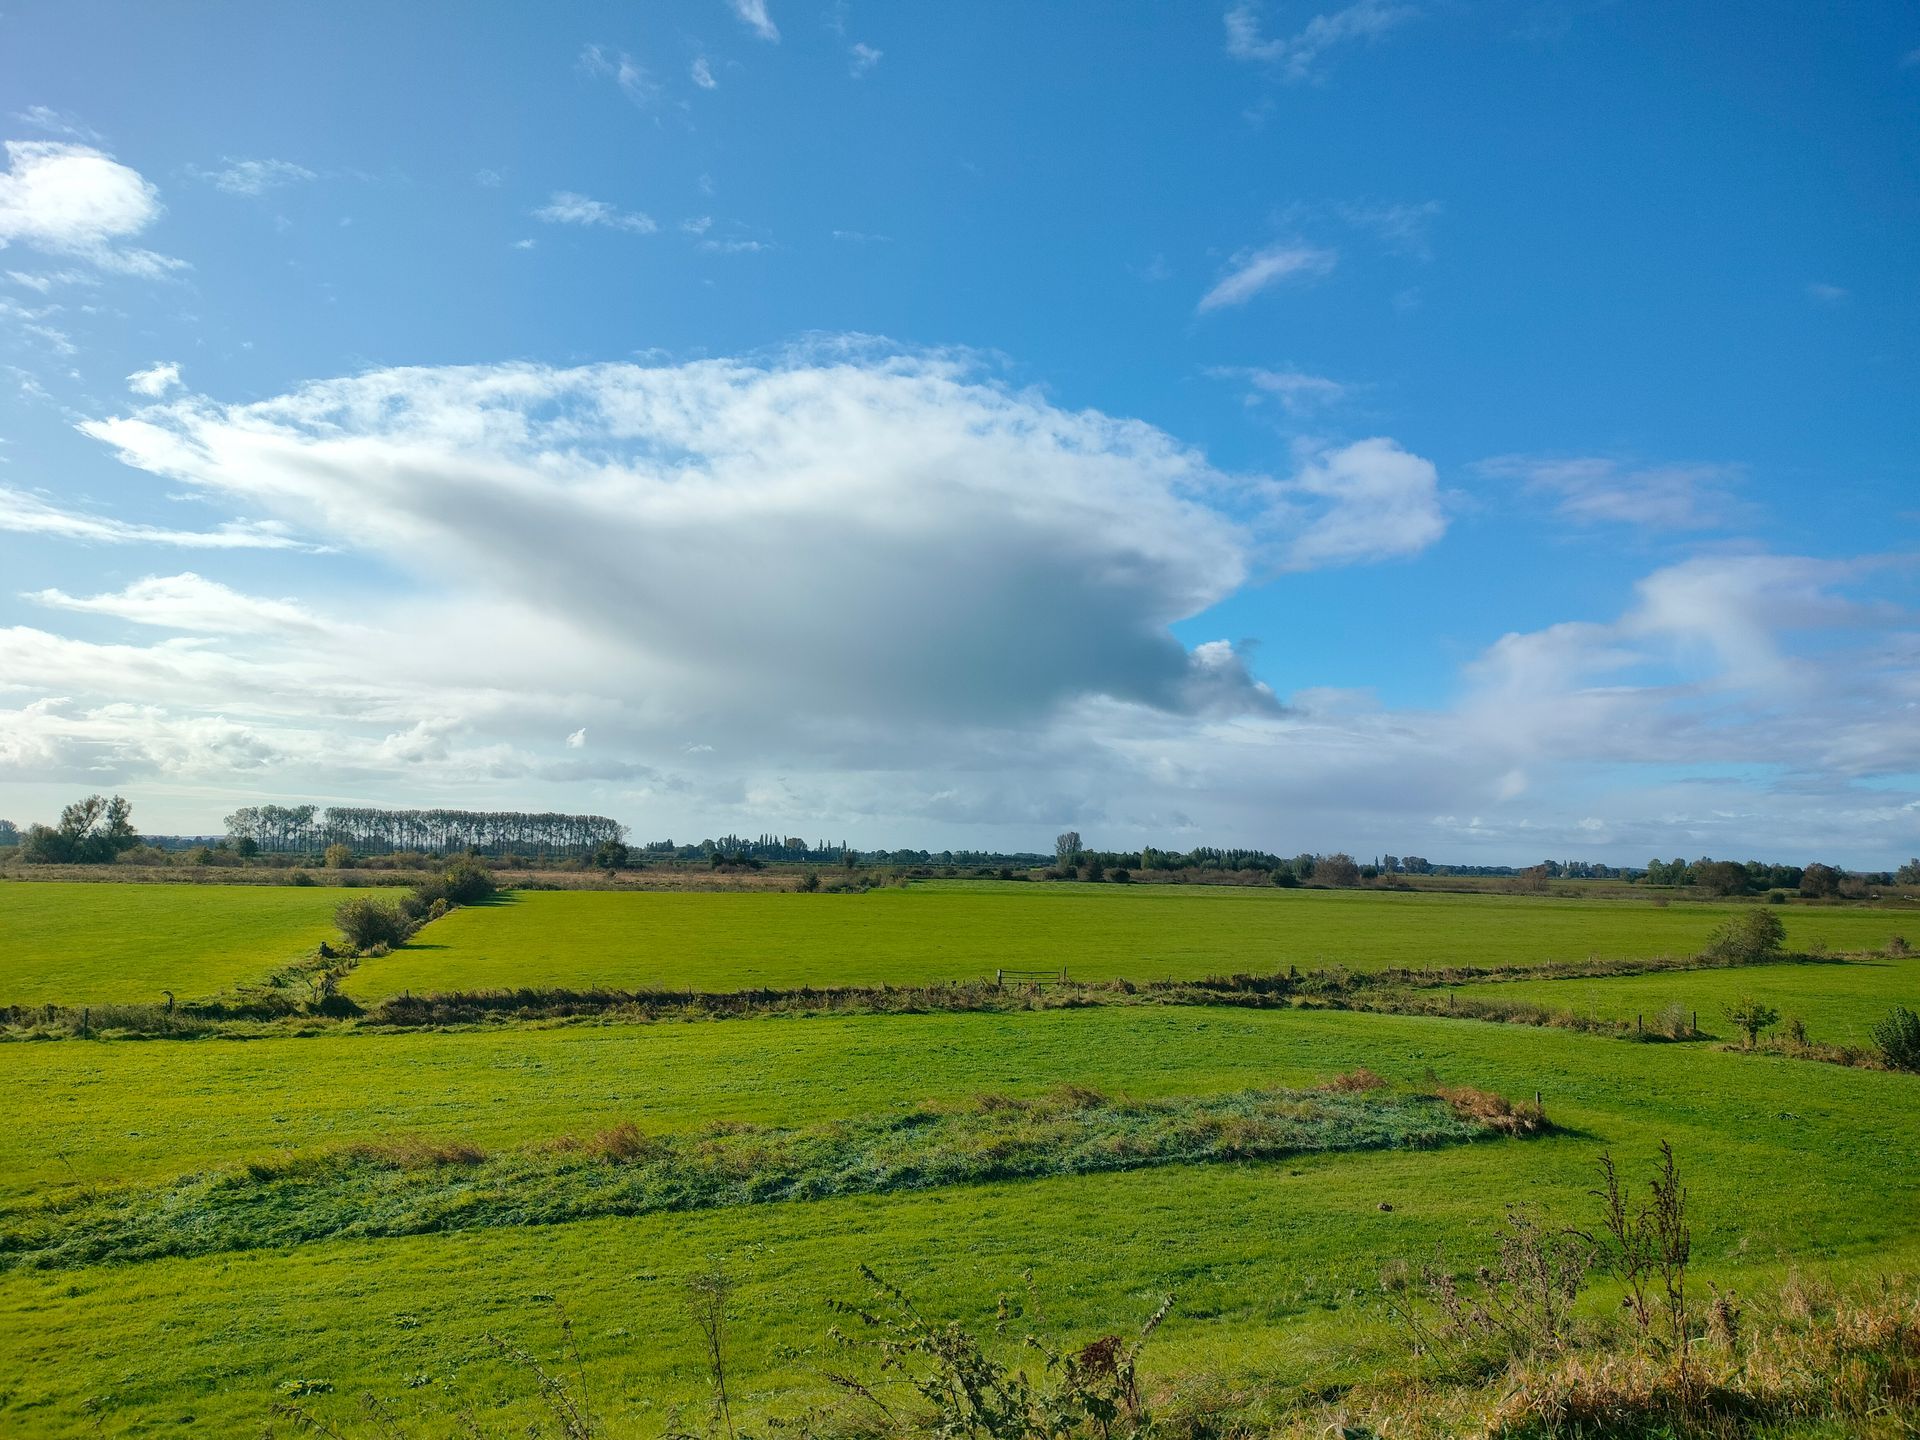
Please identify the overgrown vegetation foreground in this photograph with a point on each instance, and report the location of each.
(1508, 1351)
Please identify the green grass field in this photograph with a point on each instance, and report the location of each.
(1274, 1262)
(1839, 1002)
(97, 944)
(962, 931)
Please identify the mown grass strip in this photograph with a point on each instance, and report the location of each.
(410, 1186)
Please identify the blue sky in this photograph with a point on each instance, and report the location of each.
(1478, 431)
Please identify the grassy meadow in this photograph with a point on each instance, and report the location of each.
(966, 930)
(192, 1230)
(1838, 1000)
(98, 944)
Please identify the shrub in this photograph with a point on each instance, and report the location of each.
(1897, 1036)
(299, 877)
(367, 922)
(468, 882)
(809, 882)
(1748, 939)
(339, 857)
(1751, 1016)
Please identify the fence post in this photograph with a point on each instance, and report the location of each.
(1000, 979)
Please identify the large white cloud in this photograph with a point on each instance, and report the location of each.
(843, 538)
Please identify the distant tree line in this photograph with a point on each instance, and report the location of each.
(1751, 877)
(363, 830)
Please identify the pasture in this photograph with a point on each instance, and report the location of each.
(966, 930)
(1839, 1001)
(99, 944)
(1274, 1262)
(193, 1230)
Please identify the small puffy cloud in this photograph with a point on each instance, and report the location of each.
(1252, 271)
(861, 58)
(1596, 490)
(1827, 294)
(254, 177)
(1363, 502)
(156, 379)
(753, 14)
(487, 179)
(567, 207)
(74, 200)
(702, 73)
(578, 739)
(1297, 57)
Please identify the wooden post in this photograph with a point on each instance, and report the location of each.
(1000, 979)
(86, 1020)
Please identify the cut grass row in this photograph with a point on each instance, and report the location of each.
(959, 932)
(1274, 1263)
(418, 1187)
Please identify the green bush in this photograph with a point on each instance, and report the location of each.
(1898, 1038)
(468, 882)
(367, 922)
(1748, 938)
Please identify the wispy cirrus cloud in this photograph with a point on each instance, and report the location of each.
(861, 59)
(1298, 57)
(753, 14)
(1252, 271)
(57, 122)
(192, 603)
(27, 514)
(1296, 391)
(253, 178)
(632, 77)
(1603, 490)
(568, 207)
(701, 72)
